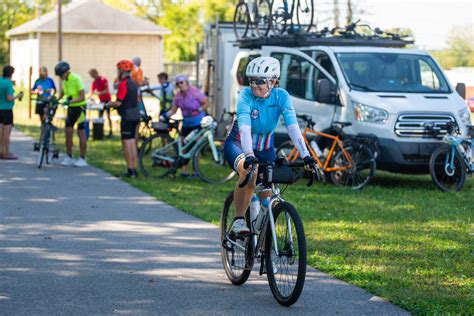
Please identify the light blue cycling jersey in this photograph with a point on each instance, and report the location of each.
(262, 115)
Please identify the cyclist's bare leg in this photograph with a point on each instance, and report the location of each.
(69, 132)
(110, 122)
(243, 196)
(82, 142)
(130, 153)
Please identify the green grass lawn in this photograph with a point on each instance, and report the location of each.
(399, 238)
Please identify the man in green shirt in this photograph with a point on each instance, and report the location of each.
(7, 101)
(73, 90)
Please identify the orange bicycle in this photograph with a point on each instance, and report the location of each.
(349, 163)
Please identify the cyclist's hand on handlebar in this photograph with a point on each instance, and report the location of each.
(309, 163)
(250, 161)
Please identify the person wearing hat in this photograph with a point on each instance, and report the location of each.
(193, 104)
(73, 90)
(127, 105)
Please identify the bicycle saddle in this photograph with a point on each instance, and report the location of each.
(342, 124)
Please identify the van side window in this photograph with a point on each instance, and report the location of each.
(298, 76)
(428, 77)
(323, 59)
(242, 79)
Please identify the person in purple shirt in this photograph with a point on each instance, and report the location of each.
(193, 104)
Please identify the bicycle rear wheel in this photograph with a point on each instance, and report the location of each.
(152, 151)
(286, 271)
(241, 20)
(280, 16)
(263, 19)
(207, 168)
(305, 15)
(237, 264)
(363, 167)
(284, 150)
(447, 178)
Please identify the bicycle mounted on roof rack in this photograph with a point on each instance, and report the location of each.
(346, 36)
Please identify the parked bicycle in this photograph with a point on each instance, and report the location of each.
(349, 163)
(252, 15)
(276, 240)
(291, 16)
(450, 162)
(46, 147)
(168, 154)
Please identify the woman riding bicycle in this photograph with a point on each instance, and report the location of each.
(251, 139)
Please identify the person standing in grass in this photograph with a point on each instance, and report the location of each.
(127, 105)
(45, 88)
(101, 86)
(73, 90)
(7, 101)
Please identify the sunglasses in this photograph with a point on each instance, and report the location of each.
(257, 82)
(180, 82)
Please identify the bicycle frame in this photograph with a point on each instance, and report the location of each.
(454, 142)
(258, 239)
(336, 141)
(204, 135)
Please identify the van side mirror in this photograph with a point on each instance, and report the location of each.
(325, 91)
(461, 89)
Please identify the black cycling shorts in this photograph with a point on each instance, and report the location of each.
(6, 117)
(128, 129)
(40, 108)
(76, 114)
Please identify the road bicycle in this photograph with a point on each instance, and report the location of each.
(291, 16)
(349, 163)
(450, 162)
(168, 154)
(47, 150)
(252, 15)
(277, 240)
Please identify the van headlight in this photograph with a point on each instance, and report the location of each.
(370, 114)
(465, 116)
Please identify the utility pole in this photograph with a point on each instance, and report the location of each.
(60, 32)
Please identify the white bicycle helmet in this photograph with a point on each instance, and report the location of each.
(206, 121)
(263, 67)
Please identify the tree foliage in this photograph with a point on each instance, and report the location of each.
(16, 12)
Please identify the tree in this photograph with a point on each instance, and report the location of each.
(461, 42)
(16, 12)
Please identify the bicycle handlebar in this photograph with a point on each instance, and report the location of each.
(249, 176)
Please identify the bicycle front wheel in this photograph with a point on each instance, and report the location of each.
(362, 170)
(305, 15)
(157, 156)
(207, 167)
(280, 16)
(285, 260)
(447, 177)
(241, 20)
(43, 151)
(237, 265)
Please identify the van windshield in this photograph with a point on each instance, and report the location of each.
(392, 72)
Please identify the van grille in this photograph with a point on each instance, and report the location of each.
(414, 124)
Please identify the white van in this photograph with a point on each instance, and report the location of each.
(394, 94)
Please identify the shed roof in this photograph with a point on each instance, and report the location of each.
(90, 16)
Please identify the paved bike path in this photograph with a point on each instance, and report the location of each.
(82, 242)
